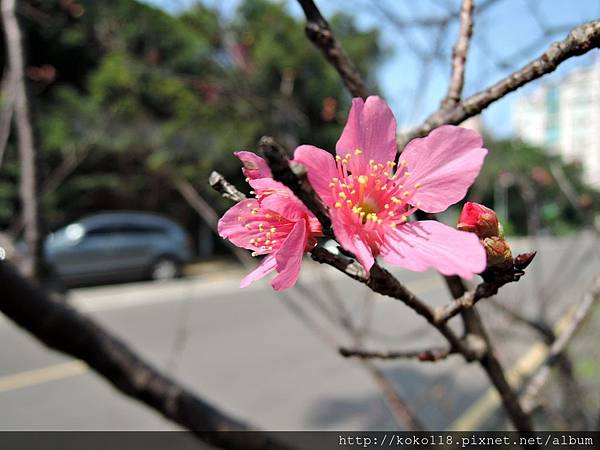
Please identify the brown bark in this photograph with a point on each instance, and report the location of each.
(28, 178)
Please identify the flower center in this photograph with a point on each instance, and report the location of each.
(379, 195)
(268, 228)
(369, 207)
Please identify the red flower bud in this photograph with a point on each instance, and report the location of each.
(480, 220)
(483, 221)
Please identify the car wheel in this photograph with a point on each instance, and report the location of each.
(165, 269)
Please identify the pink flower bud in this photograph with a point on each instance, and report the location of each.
(480, 220)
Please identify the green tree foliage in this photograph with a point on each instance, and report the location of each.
(124, 95)
(524, 176)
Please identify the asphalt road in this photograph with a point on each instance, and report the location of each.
(256, 353)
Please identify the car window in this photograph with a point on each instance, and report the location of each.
(134, 229)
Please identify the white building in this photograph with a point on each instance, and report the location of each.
(564, 117)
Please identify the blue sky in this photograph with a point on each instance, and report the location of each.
(414, 89)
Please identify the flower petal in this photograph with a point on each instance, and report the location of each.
(289, 257)
(420, 245)
(320, 167)
(371, 128)
(254, 166)
(351, 241)
(445, 163)
(231, 227)
(266, 266)
(275, 196)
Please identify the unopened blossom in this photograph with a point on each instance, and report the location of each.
(370, 197)
(498, 251)
(484, 222)
(274, 224)
(479, 219)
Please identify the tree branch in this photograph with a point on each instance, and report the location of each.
(431, 354)
(459, 55)
(573, 394)
(580, 40)
(320, 34)
(64, 329)
(538, 380)
(486, 289)
(294, 177)
(489, 361)
(381, 281)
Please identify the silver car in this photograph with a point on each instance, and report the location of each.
(117, 246)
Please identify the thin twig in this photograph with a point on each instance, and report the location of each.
(459, 55)
(573, 394)
(538, 380)
(7, 110)
(469, 299)
(206, 211)
(539, 326)
(319, 33)
(225, 188)
(431, 354)
(580, 40)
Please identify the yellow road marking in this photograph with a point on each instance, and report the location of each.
(525, 365)
(43, 375)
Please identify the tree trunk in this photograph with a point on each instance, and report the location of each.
(28, 185)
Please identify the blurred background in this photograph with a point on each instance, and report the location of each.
(133, 104)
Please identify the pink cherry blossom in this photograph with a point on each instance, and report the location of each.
(370, 198)
(275, 224)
